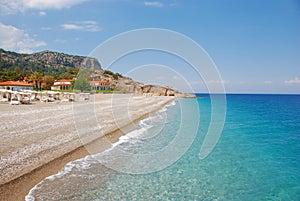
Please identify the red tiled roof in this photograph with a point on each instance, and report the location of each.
(99, 83)
(65, 80)
(16, 83)
(62, 85)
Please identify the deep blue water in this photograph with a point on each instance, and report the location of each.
(256, 157)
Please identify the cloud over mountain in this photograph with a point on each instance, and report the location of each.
(14, 39)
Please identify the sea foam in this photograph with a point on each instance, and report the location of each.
(79, 166)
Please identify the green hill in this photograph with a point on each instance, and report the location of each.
(15, 66)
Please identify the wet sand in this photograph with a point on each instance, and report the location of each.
(38, 140)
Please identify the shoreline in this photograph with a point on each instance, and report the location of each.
(18, 188)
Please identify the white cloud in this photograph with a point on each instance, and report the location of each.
(153, 3)
(90, 26)
(14, 6)
(71, 26)
(11, 6)
(51, 4)
(296, 80)
(14, 39)
(42, 13)
(268, 82)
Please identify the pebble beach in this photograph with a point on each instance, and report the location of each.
(41, 133)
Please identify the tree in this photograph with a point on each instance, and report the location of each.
(48, 81)
(37, 79)
(82, 85)
(69, 74)
(82, 81)
(10, 75)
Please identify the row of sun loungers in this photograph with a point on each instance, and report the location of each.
(27, 96)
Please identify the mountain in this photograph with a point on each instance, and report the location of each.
(48, 59)
(16, 66)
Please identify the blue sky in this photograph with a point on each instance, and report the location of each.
(254, 44)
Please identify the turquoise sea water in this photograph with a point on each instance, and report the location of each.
(256, 158)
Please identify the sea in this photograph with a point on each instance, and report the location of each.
(256, 156)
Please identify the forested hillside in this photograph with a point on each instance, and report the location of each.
(14, 66)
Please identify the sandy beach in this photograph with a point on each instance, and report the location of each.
(37, 140)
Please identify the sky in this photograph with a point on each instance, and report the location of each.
(255, 45)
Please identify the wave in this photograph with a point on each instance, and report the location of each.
(83, 164)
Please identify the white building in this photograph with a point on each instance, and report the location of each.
(16, 85)
(63, 84)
